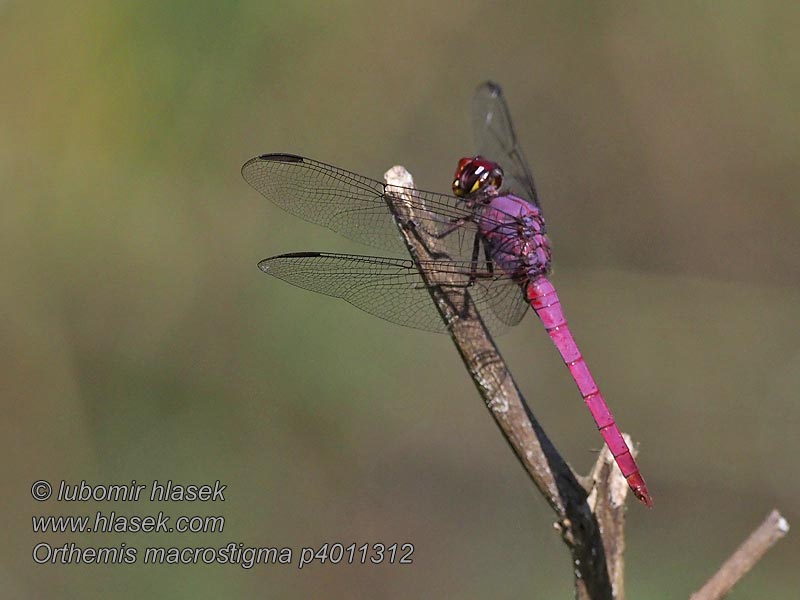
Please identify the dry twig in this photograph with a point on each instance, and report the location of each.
(584, 531)
(748, 554)
(607, 502)
(591, 525)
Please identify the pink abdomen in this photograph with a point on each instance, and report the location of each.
(544, 300)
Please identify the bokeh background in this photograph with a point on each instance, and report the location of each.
(141, 342)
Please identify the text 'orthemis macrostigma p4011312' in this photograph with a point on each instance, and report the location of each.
(494, 244)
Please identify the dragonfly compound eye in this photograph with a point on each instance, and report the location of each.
(475, 174)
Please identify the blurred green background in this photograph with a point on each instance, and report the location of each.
(141, 341)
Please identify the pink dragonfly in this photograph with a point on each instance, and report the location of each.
(492, 233)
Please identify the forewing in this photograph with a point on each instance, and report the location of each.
(496, 140)
(352, 204)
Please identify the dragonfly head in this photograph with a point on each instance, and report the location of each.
(475, 174)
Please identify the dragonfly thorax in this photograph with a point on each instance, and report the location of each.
(514, 230)
(477, 174)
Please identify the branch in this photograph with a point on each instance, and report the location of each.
(607, 502)
(748, 554)
(579, 526)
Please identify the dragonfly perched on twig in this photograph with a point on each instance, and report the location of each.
(491, 241)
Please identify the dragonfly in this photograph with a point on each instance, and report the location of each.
(491, 236)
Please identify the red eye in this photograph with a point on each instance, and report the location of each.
(474, 173)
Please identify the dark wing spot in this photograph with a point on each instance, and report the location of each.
(280, 157)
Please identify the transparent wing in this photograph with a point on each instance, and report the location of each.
(495, 139)
(352, 204)
(393, 289)
(507, 303)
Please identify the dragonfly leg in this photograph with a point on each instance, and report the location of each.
(463, 309)
(415, 228)
(488, 256)
(473, 271)
(452, 226)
